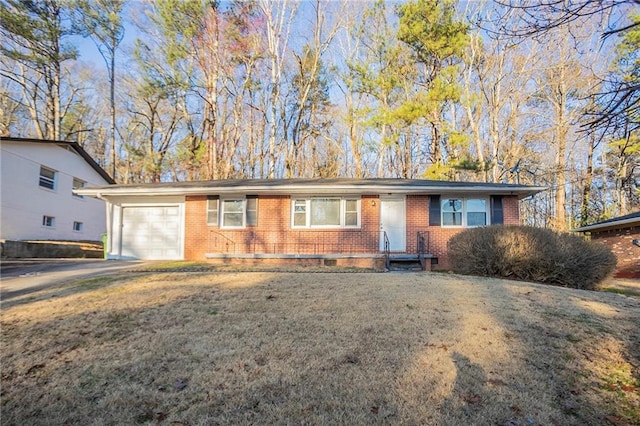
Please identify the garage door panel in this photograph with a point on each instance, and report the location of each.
(152, 232)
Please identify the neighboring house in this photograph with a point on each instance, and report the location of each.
(313, 221)
(36, 199)
(621, 235)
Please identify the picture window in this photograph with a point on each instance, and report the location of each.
(325, 212)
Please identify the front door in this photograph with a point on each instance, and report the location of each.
(392, 221)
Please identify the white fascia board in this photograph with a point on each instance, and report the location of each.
(307, 189)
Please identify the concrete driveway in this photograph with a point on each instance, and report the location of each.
(18, 277)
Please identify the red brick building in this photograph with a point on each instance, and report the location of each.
(351, 222)
(622, 235)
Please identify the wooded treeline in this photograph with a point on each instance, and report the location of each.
(438, 89)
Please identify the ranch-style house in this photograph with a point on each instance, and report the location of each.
(345, 222)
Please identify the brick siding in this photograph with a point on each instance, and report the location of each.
(274, 235)
(619, 241)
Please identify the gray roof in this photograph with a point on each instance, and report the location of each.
(628, 219)
(312, 186)
(73, 145)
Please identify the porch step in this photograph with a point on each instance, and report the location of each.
(408, 262)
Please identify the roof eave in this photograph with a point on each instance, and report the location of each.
(74, 145)
(308, 189)
(614, 224)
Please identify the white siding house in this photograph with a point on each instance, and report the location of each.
(36, 199)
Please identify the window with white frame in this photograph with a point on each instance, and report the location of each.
(232, 213)
(47, 178)
(325, 212)
(77, 184)
(48, 221)
(465, 212)
(477, 212)
(251, 210)
(212, 210)
(77, 226)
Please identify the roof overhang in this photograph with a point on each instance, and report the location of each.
(608, 225)
(315, 187)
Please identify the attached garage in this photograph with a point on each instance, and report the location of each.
(145, 228)
(151, 232)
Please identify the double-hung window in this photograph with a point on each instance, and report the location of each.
(232, 212)
(476, 212)
(213, 203)
(47, 178)
(467, 212)
(325, 212)
(452, 211)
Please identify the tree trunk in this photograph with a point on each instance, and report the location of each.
(586, 190)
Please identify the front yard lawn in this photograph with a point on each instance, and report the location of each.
(318, 348)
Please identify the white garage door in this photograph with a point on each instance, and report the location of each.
(151, 233)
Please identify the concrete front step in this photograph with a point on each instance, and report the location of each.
(409, 262)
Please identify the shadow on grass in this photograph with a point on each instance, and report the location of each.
(587, 343)
(74, 286)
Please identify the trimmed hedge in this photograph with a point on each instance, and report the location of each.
(531, 254)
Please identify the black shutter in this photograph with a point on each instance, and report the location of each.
(497, 216)
(434, 210)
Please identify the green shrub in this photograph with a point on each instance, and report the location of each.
(531, 254)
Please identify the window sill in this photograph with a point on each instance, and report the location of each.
(461, 226)
(326, 228)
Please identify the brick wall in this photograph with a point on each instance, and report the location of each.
(438, 237)
(511, 210)
(274, 235)
(619, 241)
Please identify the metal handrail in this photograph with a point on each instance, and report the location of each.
(422, 244)
(229, 240)
(387, 245)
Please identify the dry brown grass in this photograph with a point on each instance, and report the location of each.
(281, 348)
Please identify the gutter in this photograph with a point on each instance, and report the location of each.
(310, 189)
(613, 224)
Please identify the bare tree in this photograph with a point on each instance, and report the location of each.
(278, 17)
